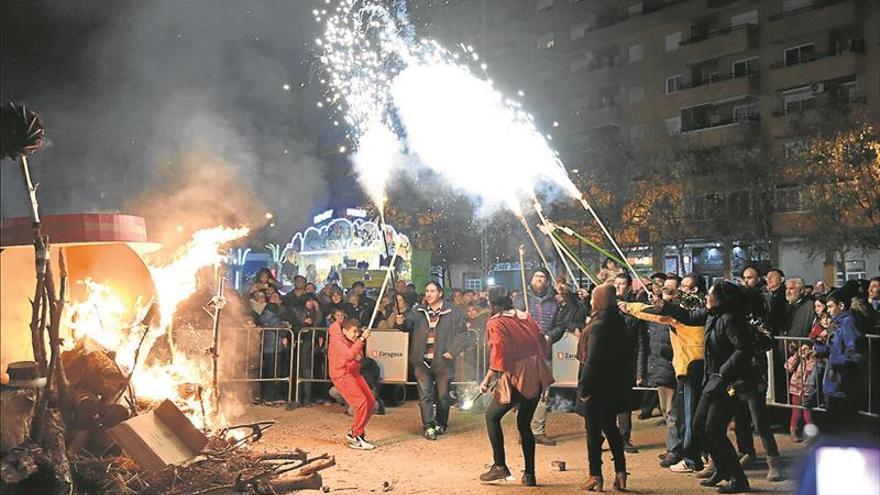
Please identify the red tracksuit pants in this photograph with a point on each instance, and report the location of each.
(357, 394)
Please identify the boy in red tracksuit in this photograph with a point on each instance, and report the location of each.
(345, 354)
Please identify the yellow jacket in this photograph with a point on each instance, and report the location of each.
(687, 341)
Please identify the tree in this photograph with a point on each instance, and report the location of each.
(842, 193)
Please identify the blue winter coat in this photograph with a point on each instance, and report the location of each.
(845, 351)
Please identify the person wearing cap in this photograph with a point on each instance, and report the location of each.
(542, 307)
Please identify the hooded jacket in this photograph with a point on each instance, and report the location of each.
(845, 353)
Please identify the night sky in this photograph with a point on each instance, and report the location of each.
(141, 99)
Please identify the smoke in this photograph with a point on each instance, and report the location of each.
(189, 113)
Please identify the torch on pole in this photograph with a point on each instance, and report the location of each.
(531, 234)
(522, 272)
(382, 227)
(548, 230)
(592, 212)
(388, 275)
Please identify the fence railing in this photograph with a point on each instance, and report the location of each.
(815, 399)
(256, 364)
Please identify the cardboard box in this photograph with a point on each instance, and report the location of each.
(161, 437)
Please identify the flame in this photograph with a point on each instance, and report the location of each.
(104, 318)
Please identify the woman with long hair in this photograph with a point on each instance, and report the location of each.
(517, 376)
(728, 351)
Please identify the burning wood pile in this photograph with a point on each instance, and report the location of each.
(112, 405)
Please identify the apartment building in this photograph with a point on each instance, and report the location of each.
(689, 76)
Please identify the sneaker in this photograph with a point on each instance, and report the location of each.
(545, 440)
(746, 460)
(736, 485)
(775, 473)
(681, 467)
(707, 472)
(440, 430)
(495, 473)
(361, 443)
(528, 479)
(349, 436)
(431, 433)
(629, 448)
(670, 460)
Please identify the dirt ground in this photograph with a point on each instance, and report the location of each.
(452, 464)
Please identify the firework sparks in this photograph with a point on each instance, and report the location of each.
(396, 92)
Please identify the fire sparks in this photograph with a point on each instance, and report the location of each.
(103, 318)
(385, 83)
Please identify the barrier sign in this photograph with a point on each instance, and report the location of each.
(564, 362)
(390, 349)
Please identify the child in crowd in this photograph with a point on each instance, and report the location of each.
(345, 351)
(800, 387)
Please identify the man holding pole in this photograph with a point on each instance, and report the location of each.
(541, 307)
(438, 333)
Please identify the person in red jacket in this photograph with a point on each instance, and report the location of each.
(345, 354)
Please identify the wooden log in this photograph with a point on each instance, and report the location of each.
(290, 484)
(54, 462)
(94, 371)
(314, 467)
(17, 406)
(18, 464)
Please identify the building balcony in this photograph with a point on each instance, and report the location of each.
(785, 124)
(720, 134)
(829, 13)
(822, 67)
(718, 88)
(718, 43)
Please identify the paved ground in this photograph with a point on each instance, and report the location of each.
(452, 464)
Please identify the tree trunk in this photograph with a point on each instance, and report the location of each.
(295, 483)
(55, 462)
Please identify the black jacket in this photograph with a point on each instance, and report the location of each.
(800, 318)
(603, 375)
(778, 310)
(450, 335)
(637, 343)
(655, 358)
(728, 350)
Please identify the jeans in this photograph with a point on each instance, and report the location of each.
(691, 388)
(671, 414)
(625, 424)
(539, 421)
(434, 400)
(598, 421)
(751, 408)
(710, 426)
(497, 411)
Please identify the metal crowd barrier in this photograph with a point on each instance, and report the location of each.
(317, 337)
(253, 363)
(870, 368)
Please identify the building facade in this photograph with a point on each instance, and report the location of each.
(686, 76)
